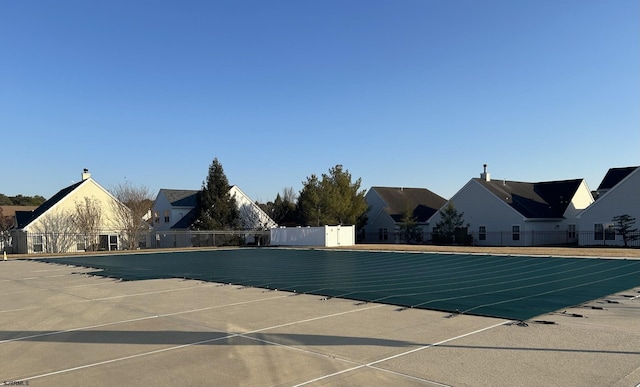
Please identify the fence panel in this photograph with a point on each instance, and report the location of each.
(53, 243)
(511, 239)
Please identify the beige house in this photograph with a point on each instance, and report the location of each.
(83, 216)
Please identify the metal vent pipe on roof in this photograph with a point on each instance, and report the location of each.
(486, 176)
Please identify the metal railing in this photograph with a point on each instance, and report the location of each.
(508, 238)
(34, 243)
(55, 243)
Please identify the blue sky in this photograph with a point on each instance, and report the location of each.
(401, 93)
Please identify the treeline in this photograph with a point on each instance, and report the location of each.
(20, 200)
(329, 199)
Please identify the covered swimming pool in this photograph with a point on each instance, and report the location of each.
(505, 286)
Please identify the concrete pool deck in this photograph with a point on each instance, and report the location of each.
(62, 326)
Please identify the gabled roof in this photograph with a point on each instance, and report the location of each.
(11, 210)
(421, 201)
(186, 221)
(614, 176)
(23, 218)
(181, 197)
(544, 200)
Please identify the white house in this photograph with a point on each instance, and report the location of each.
(7, 222)
(512, 213)
(49, 228)
(618, 194)
(252, 217)
(177, 210)
(174, 209)
(387, 207)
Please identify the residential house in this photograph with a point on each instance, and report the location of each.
(252, 217)
(53, 227)
(174, 212)
(618, 194)
(388, 207)
(513, 213)
(174, 209)
(7, 222)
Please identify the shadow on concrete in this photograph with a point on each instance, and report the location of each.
(194, 338)
(538, 349)
(178, 338)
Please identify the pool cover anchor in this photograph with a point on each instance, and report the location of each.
(454, 314)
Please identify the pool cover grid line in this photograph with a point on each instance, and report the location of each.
(447, 283)
(504, 286)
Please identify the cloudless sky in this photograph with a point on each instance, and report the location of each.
(412, 93)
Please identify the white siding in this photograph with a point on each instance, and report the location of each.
(162, 206)
(378, 218)
(88, 189)
(482, 208)
(56, 221)
(252, 216)
(622, 199)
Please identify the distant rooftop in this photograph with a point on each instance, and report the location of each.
(614, 176)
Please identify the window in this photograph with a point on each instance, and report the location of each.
(113, 242)
(598, 231)
(383, 234)
(610, 232)
(156, 217)
(166, 216)
(602, 231)
(482, 233)
(571, 231)
(80, 243)
(515, 233)
(37, 244)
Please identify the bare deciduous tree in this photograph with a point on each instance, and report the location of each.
(58, 231)
(87, 219)
(6, 222)
(134, 203)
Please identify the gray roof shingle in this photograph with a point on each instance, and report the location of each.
(181, 197)
(542, 200)
(614, 176)
(23, 218)
(421, 201)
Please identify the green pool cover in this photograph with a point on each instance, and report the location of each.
(512, 287)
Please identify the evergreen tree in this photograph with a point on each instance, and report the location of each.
(20, 200)
(409, 227)
(217, 210)
(333, 200)
(282, 209)
(310, 203)
(450, 222)
(5, 200)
